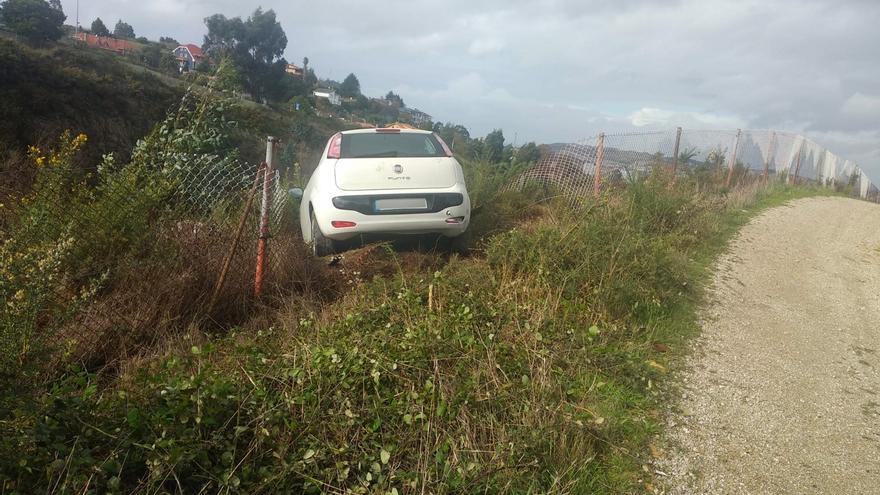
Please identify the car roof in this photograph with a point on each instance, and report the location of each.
(373, 130)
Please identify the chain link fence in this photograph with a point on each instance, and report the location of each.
(726, 156)
(95, 272)
(103, 267)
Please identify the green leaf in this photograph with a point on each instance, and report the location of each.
(385, 456)
(594, 330)
(133, 418)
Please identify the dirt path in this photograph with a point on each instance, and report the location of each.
(782, 392)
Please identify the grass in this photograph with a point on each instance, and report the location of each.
(533, 368)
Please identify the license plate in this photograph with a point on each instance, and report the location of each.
(391, 204)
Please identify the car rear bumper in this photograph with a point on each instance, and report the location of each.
(409, 223)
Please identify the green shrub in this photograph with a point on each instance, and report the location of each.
(532, 370)
(78, 234)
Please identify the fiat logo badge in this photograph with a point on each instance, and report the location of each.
(398, 169)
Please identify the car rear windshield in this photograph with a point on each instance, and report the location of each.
(379, 145)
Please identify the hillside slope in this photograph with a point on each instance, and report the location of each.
(44, 92)
(114, 102)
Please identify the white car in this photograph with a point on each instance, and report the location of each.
(379, 183)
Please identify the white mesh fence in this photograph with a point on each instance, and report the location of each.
(572, 168)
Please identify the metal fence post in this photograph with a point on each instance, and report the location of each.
(733, 158)
(265, 205)
(597, 170)
(675, 154)
(227, 261)
(770, 152)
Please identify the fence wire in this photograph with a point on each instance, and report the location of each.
(166, 254)
(585, 167)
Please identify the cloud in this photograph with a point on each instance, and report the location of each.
(862, 106)
(655, 117)
(485, 46)
(555, 70)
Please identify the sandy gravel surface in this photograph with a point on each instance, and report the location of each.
(782, 391)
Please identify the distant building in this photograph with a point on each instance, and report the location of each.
(105, 43)
(189, 56)
(328, 94)
(415, 116)
(294, 70)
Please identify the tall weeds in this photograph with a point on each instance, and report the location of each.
(533, 369)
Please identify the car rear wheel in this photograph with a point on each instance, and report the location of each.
(461, 244)
(321, 246)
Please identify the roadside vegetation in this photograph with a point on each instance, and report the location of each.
(532, 366)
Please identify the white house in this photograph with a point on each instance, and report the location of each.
(329, 94)
(415, 116)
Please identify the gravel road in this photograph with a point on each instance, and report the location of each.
(782, 390)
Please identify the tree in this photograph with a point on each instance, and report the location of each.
(168, 40)
(394, 99)
(123, 30)
(493, 146)
(350, 86)
(99, 29)
(528, 153)
(159, 57)
(36, 21)
(255, 47)
(309, 77)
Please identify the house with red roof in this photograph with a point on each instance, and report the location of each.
(190, 56)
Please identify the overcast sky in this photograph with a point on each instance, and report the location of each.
(562, 70)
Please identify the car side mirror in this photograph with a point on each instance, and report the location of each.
(295, 193)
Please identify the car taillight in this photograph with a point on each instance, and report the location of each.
(335, 146)
(443, 144)
(342, 224)
(357, 203)
(446, 200)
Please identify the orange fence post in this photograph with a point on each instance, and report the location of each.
(265, 206)
(733, 158)
(597, 170)
(227, 261)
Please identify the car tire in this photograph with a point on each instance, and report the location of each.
(461, 244)
(321, 246)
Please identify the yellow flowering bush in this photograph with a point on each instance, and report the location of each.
(36, 294)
